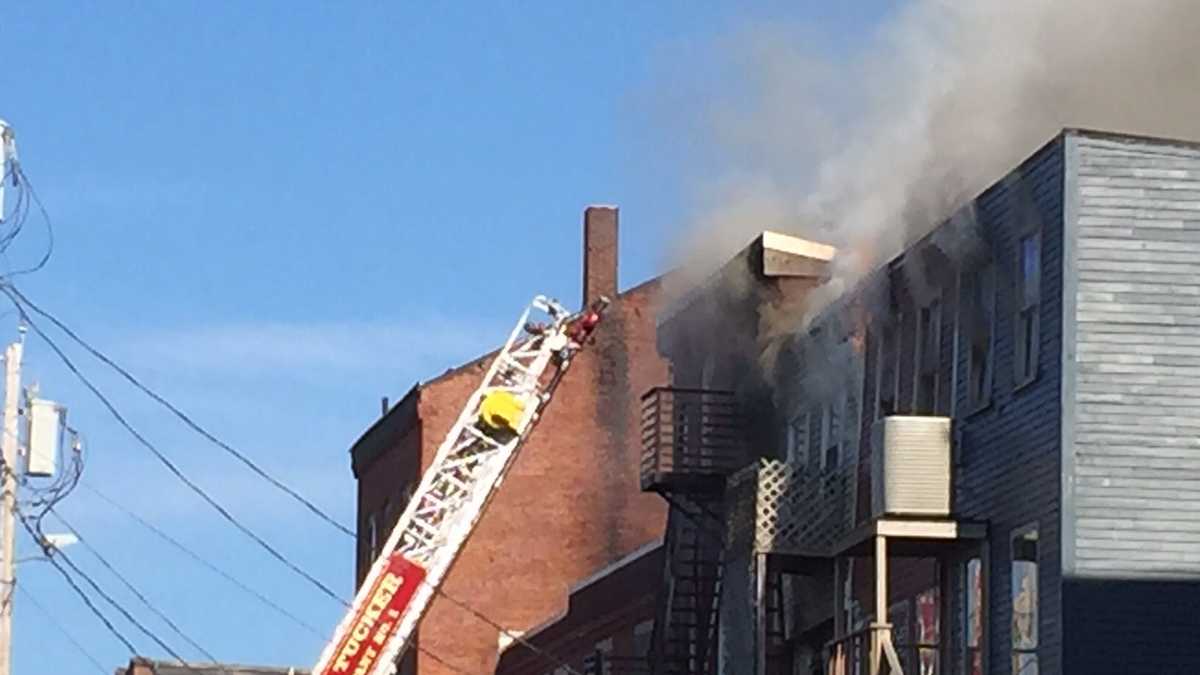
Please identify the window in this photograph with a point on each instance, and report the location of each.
(980, 322)
(974, 616)
(886, 373)
(1024, 603)
(915, 632)
(797, 440)
(927, 360)
(926, 632)
(372, 538)
(831, 434)
(1029, 276)
(641, 639)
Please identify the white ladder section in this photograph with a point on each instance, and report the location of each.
(455, 490)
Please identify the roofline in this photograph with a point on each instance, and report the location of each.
(645, 550)
(637, 554)
(1129, 136)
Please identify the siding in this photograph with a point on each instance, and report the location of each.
(1009, 468)
(1010, 471)
(1136, 464)
(1132, 453)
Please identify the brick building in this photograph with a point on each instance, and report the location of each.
(605, 628)
(571, 502)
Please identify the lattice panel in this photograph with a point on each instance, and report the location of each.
(799, 511)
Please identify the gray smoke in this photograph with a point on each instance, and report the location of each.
(947, 96)
(870, 153)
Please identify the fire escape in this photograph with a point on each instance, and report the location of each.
(692, 440)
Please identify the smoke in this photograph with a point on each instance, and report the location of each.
(872, 151)
(945, 97)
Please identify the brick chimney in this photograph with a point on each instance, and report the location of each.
(599, 253)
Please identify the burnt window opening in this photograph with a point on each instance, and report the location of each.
(979, 315)
(927, 395)
(887, 377)
(1029, 275)
(797, 440)
(831, 428)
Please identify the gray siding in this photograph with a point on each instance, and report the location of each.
(1134, 475)
(1131, 441)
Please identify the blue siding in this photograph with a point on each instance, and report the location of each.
(1011, 472)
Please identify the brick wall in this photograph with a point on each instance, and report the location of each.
(571, 502)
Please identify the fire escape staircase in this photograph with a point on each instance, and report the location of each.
(692, 440)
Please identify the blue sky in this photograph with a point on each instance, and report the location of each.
(277, 213)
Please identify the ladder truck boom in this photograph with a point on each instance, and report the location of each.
(456, 489)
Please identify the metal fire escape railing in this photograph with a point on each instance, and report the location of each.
(692, 440)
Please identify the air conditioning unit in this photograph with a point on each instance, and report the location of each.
(910, 466)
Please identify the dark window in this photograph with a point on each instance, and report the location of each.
(832, 427)
(372, 537)
(980, 320)
(797, 440)
(1025, 603)
(886, 378)
(641, 638)
(1029, 275)
(927, 393)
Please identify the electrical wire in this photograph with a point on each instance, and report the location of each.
(62, 629)
(90, 605)
(175, 410)
(442, 661)
(8, 290)
(516, 637)
(45, 218)
(54, 554)
(200, 559)
(133, 589)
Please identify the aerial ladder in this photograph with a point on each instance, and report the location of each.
(456, 488)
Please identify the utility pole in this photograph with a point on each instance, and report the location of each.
(12, 391)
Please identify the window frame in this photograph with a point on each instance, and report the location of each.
(888, 328)
(833, 420)
(966, 650)
(1023, 532)
(967, 313)
(1026, 350)
(921, 364)
(799, 431)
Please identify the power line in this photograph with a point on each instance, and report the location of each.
(8, 290)
(45, 217)
(62, 629)
(200, 559)
(442, 661)
(132, 589)
(184, 417)
(513, 636)
(53, 554)
(88, 601)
